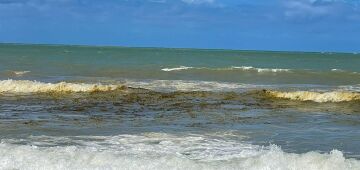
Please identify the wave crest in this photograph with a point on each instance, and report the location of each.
(20, 73)
(176, 68)
(27, 86)
(260, 70)
(333, 96)
(243, 68)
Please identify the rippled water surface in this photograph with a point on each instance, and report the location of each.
(68, 107)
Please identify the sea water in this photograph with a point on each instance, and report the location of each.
(80, 107)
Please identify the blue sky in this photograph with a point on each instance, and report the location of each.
(300, 25)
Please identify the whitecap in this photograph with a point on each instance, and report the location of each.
(337, 70)
(260, 70)
(20, 73)
(331, 96)
(27, 86)
(176, 68)
(243, 68)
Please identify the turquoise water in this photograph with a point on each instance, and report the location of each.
(209, 65)
(80, 107)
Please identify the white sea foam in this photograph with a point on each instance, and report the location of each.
(244, 68)
(20, 73)
(176, 68)
(332, 96)
(345, 93)
(352, 88)
(261, 70)
(162, 151)
(27, 86)
(337, 70)
(184, 85)
(344, 71)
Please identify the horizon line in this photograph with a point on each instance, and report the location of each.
(175, 48)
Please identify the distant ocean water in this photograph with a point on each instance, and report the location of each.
(80, 107)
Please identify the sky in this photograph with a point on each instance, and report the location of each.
(285, 25)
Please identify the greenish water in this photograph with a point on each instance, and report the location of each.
(77, 107)
(208, 65)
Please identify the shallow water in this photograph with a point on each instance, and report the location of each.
(69, 107)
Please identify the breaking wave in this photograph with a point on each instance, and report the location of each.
(255, 69)
(274, 70)
(185, 85)
(161, 151)
(13, 73)
(176, 68)
(332, 96)
(337, 70)
(27, 86)
(20, 73)
(243, 68)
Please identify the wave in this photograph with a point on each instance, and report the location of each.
(12, 73)
(352, 88)
(27, 86)
(244, 68)
(20, 73)
(332, 96)
(274, 70)
(255, 69)
(161, 151)
(185, 85)
(337, 70)
(176, 68)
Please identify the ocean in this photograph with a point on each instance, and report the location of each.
(84, 107)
